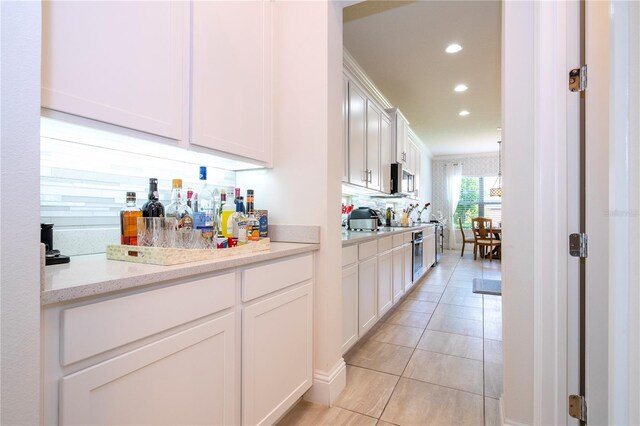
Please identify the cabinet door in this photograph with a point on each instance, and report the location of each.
(386, 152)
(357, 136)
(385, 283)
(367, 285)
(231, 77)
(187, 378)
(349, 307)
(345, 129)
(374, 115)
(408, 267)
(277, 335)
(398, 273)
(99, 62)
(429, 250)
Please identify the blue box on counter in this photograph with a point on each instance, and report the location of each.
(263, 218)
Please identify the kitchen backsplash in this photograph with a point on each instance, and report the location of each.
(83, 184)
(382, 203)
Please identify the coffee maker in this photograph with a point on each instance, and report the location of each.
(52, 257)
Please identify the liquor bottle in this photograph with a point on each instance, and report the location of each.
(227, 210)
(129, 221)
(153, 207)
(237, 222)
(178, 207)
(205, 205)
(253, 224)
(190, 198)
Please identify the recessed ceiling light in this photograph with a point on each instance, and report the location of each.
(460, 88)
(453, 48)
(499, 129)
(463, 113)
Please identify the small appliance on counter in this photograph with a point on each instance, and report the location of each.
(52, 257)
(364, 219)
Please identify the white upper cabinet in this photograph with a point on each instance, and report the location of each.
(400, 136)
(357, 136)
(386, 152)
(231, 77)
(120, 62)
(373, 176)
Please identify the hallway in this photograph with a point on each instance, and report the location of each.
(434, 360)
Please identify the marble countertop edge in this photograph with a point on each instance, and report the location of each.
(94, 275)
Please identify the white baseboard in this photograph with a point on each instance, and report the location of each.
(327, 386)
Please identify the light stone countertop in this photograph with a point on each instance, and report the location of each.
(356, 237)
(93, 275)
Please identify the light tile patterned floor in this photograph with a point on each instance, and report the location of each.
(435, 359)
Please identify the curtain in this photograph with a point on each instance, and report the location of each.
(454, 181)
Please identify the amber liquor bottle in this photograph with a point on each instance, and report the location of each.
(129, 221)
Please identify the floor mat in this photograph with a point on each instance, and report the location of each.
(482, 286)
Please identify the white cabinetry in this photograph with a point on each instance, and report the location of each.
(357, 136)
(386, 152)
(408, 266)
(373, 176)
(124, 63)
(349, 297)
(400, 135)
(186, 378)
(231, 77)
(277, 354)
(367, 286)
(429, 250)
(385, 282)
(398, 273)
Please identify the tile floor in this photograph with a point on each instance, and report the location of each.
(436, 359)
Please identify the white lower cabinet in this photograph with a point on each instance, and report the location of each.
(408, 267)
(429, 250)
(385, 282)
(277, 354)
(349, 306)
(367, 286)
(398, 273)
(186, 378)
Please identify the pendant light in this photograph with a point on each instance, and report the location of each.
(496, 191)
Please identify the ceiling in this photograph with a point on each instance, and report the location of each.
(400, 45)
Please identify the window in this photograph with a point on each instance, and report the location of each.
(476, 201)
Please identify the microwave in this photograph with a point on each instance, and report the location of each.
(402, 182)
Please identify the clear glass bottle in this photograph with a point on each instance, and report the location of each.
(178, 207)
(227, 211)
(253, 224)
(205, 205)
(238, 223)
(153, 207)
(129, 221)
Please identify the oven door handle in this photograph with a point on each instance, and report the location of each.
(418, 241)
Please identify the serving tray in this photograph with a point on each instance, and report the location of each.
(174, 256)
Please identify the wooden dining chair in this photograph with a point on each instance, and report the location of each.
(465, 240)
(483, 236)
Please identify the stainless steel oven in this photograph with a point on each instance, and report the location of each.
(418, 253)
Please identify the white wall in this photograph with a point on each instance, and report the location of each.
(20, 212)
(518, 206)
(304, 185)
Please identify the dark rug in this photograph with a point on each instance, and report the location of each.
(482, 286)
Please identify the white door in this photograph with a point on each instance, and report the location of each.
(408, 267)
(124, 63)
(374, 179)
(349, 307)
(231, 77)
(277, 337)
(386, 152)
(184, 379)
(398, 273)
(357, 136)
(367, 285)
(385, 282)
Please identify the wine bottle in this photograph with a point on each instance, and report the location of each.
(153, 207)
(253, 224)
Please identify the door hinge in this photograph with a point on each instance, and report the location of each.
(578, 245)
(578, 79)
(578, 407)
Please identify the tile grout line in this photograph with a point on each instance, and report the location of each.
(415, 347)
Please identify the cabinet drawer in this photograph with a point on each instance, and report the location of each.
(366, 250)
(349, 255)
(407, 237)
(385, 244)
(398, 240)
(92, 329)
(272, 277)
